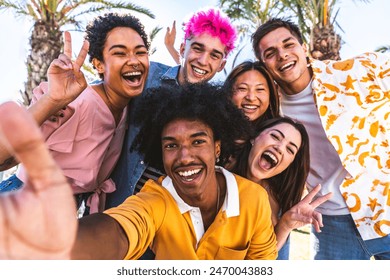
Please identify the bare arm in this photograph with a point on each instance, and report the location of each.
(66, 82)
(170, 37)
(108, 240)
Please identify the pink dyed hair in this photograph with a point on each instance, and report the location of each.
(214, 23)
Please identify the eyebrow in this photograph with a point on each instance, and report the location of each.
(285, 137)
(124, 47)
(284, 41)
(213, 50)
(256, 85)
(197, 134)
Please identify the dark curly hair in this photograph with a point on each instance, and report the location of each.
(287, 187)
(273, 108)
(97, 30)
(271, 25)
(204, 102)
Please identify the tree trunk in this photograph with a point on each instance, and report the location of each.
(325, 43)
(46, 43)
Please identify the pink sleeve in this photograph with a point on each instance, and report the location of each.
(59, 134)
(39, 91)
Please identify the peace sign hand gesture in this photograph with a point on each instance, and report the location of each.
(66, 81)
(304, 213)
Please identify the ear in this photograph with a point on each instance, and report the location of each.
(305, 48)
(99, 66)
(217, 148)
(182, 49)
(222, 65)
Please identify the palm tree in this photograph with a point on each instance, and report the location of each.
(49, 17)
(316, 19)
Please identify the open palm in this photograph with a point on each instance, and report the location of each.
(39, 221)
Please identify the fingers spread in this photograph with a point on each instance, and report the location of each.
(67, 44)
(81, 57)
(62, 62)
(319, 200)
(309, 197)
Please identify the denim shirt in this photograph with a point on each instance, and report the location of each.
(131, 165)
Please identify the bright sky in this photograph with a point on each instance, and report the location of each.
(366, 27)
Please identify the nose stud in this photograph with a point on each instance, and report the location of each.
(135, 66)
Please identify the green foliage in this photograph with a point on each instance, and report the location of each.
(383, 49)
(248, 14)
(61, 13)
(152, 34)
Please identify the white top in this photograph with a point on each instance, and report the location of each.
(325, 165)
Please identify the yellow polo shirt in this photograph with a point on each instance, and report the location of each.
(241, 230)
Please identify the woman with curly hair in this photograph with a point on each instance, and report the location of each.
(86, 140)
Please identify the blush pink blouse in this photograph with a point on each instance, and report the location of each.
(85, 143)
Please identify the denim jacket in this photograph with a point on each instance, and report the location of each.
(130, 165)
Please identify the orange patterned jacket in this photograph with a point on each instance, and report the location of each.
(353, 100)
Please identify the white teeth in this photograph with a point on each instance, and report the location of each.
(129, 74)
(286, 65)
(272, 157)
(199, 71)
(252, 107)
(189, 172)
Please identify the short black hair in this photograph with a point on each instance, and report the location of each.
(203, 102)
(271, 25)
(97, 30)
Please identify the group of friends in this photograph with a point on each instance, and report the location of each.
(167, 164)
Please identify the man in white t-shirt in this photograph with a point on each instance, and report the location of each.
(345, 107)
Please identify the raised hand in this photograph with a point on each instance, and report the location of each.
(39, 221)
(66, 81)
(169, 40)
(304, 212)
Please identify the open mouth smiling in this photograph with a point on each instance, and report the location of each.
(269, 160)
(199, 71)
(189, 175)
(250, 107)
(132, 76)
(287, 66)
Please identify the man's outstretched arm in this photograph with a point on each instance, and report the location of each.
(39, 221)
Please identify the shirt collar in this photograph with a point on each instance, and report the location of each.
(231, 203)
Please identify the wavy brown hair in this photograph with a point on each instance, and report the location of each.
(287, 187)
